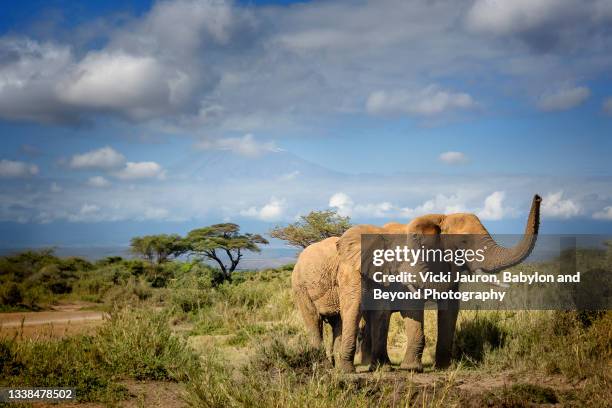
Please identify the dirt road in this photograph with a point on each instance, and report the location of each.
(63, 320)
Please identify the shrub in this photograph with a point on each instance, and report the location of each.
(70, 362)
(474, 337)
(140, 344)
(11, 295)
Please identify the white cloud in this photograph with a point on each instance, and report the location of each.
(55, 188)
(428, 101)
(137, 86)
(272, 211)
(605, 214)
(17, 169)
(89, 209)
(494, 207)
(506, 17)
(215, 64)
(246, 145)
(607, 106)
(453, 158)
(345, 206)
(342, 203)
(98, 181)
(141, 170)
(105, 158)
(554, 206)
(564, 99)
(439, 204)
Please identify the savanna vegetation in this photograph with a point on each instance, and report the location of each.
(240, 342)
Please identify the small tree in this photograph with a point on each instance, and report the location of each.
(311, 228)
(158, 248)
(213, 241)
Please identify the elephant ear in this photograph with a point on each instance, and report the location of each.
(349, 245)
(427, 224)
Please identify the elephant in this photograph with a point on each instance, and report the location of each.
(467, 232)
(327, 286)
(315, 292)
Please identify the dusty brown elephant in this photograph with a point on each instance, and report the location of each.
(435, 226)
(327, 286)
(315, 290)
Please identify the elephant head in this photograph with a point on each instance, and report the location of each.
(465, 231)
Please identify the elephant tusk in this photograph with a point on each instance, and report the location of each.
(412, 288)
(498, 284)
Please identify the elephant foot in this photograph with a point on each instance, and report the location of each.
(415, 367)
(384, 367)
(363, 358)
(345, 366)
(443, 364)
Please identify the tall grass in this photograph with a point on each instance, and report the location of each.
(131, 344)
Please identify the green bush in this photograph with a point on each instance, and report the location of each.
(135, 344)
(11, 295)
(139, 344)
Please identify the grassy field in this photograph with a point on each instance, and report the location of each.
(171, 333)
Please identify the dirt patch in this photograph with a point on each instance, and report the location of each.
(65, 320)
(149, 394)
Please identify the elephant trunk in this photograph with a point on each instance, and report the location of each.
(498, 258)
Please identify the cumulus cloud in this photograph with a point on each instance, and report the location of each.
(98, 181)
(607, 106)
(605, 214)
(246, 145)
(272, 211)
(223, 65)
(141, 170)
(342, 203)
(150, 67)
(494, 208)
(428, 101)
(564, 99)
(555, 206)
(137, 86)
(17, 169)
(345, 206)
(453, 158)
(505, 17)
(441, 203)
(543, 25)
(105, 158)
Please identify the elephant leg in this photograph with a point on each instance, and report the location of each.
(378, 323)
(415, 340)
(312, 319)
(336, 324)
(447, 319)
(350, 315)
(364, 344)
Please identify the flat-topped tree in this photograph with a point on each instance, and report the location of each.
(158, 248)
(311, 228)
(210, 242)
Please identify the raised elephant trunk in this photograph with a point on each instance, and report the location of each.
(498, 258)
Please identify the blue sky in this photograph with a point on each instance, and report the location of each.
(124, 118)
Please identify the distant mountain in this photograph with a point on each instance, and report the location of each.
(215, 165)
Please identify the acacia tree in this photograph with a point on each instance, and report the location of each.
(311, 228)
(220, 241)
(158, 248)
